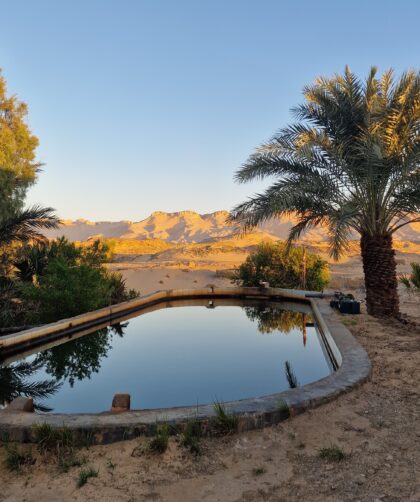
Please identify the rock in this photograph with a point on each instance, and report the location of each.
(24, 404)
(120, 403)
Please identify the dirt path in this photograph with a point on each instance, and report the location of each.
(377, 426)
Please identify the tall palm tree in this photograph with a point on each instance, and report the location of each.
(351, 163)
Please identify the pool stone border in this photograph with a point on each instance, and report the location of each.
(107, 427)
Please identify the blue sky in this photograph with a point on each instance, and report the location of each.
(144, 105)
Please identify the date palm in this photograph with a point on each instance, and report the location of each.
(26, 224)
(351, 163)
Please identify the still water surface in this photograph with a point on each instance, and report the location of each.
(185, 355)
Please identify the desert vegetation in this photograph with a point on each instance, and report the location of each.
(41, 281)
(283, 268)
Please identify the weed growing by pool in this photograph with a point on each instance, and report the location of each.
(191, 436)
(66, 462)
(332, 453)
(283, 407)
(56, 439)
(159, 442)
(85, 474)
(15, 459)
(224, 422)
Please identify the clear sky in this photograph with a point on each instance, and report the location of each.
(144, 105)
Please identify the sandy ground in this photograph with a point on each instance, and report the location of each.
(377, 426)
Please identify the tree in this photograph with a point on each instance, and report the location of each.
(18, 165)
(282, 268)
(351, 164)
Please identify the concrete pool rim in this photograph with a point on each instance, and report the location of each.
(354, 368)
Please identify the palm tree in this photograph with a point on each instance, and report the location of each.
(351, 163)
(25, 225)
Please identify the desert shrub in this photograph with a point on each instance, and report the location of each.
(412, 280)
(282, 268)
(60, 279)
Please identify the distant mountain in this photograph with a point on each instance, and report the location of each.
(186, 227)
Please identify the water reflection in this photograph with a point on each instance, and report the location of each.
(290, 375)
(15, 381)
(75, 360)
(271, 318)
(78, 359)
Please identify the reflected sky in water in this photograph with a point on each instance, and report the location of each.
(184, 356)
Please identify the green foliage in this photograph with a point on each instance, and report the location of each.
(191, 436)
(15, 459)
(332, 453)
(224, 422)
(63, 280)
(84, 476)
(282, 268)
(283, 408)
(159, 442)
(58, 440)
(412, 280)
(18, 166)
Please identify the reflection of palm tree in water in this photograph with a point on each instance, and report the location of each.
(15, 381)
(73, 360)
(290, 375)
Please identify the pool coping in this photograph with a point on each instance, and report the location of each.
(354, 368)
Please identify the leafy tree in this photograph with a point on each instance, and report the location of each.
(18, 165)
(351, 164)
(282, 268)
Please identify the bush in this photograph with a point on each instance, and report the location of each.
(62, 280)
(282, 268)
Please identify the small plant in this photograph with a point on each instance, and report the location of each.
(258, 471)
(332, 454)
(191, 436)
(85, 474)
(283, 408)
(412, 280)
(53, 439)
(225, 423)
(15, 460)
(110, 465)
(66, 462)
(159, 442)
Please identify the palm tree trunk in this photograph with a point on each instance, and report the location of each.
(379, 267)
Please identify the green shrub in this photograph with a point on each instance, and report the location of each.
(224, 422)
(159, 442)
(412, 280)
(62, 280)
(282, 268)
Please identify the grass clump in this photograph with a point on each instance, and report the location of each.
(15, 459)
(159, 442)
(258, 471)
(53, 439)
(224, 422)
(85, 474)
(332, 453)
(283, 408)
(191, 436)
